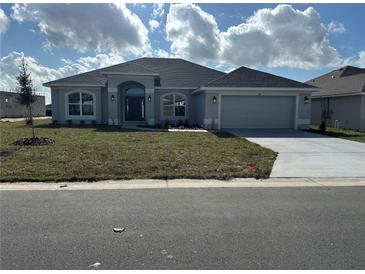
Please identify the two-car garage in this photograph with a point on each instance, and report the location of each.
(251, 99)
(244, 111)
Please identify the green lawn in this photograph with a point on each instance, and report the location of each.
(102, 152)
(348, 134)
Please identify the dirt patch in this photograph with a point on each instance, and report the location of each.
(37, 141)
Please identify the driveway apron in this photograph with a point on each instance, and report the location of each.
(305, 154)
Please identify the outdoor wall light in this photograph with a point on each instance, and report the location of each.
(112, 98)
(306, 100)
(214, 99)
(149, 98)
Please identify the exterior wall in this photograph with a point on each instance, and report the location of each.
(211, 119)
(346, 110)
(55, 106)
(304, 110)
(104, 105)
(198, 108)
(59, 104)
(316, 111)
(11, 108)
(206, 113)
(362, 113)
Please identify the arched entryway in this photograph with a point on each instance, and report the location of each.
(133, 101)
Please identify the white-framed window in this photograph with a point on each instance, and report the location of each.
(174, 105)
(80, 104)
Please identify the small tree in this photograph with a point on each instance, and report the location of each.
(325, 113)
(25, 90)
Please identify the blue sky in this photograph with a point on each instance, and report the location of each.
(299, 41)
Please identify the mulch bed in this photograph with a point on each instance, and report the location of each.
(37, 141)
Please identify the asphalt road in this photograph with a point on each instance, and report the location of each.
(215, 228)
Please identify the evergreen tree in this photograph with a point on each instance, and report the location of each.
(26, 91)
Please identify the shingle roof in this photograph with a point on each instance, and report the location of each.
(246, 77)
(179, 72)
(173, 72)
(127, 67)
(341, 81)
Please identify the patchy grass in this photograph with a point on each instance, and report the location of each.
(102, 152)
(348, 134)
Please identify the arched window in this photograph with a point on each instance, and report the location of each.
(81, 103)
(173, 105)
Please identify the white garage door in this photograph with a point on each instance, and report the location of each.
(257, 111)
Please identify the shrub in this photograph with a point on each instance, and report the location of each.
(322, 127)
(29, 122)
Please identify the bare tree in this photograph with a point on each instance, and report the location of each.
(26, 92)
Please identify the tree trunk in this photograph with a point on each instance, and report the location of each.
(31, 120)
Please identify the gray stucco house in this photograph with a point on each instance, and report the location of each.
(341, 100)
(165, 90)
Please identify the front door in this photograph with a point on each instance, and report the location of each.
(134, 108)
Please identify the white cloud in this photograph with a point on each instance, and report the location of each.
(4, 22)
(100, 27)
(358, 61)
(282, 36)
(100, 60)
(336, 27)
(154, 24)
(9, 67)
(193, 33)
(158, 10)
(157, 14)
(162, 53)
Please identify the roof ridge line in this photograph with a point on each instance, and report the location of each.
(222, 76)
(282, 77)
(196, 64)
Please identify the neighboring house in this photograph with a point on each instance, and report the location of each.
(341, 100)
(165, 90)
(11, 108)
(49, 110)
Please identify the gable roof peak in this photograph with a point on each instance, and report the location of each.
(346, 71)
(250, 78)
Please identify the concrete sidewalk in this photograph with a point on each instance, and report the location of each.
(23, 119)
(184, 183)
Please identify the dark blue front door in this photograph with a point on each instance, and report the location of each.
(134, 108)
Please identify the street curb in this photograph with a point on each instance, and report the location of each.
(185, 183)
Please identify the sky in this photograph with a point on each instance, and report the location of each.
(298, 41)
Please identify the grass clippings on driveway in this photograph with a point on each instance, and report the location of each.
(102, 152)
(348, 134)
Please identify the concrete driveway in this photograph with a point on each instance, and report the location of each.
(305, 154)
